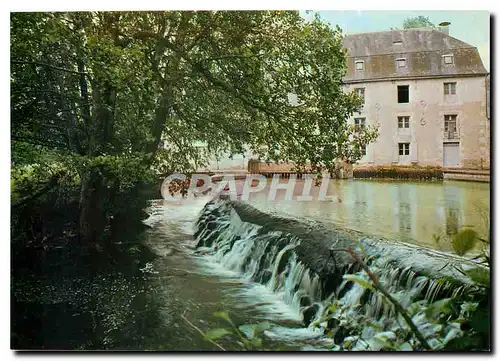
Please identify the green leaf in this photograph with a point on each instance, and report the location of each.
(363, 250)
(217, 333)
(255, 330)
(256, 343)
(464, 241)
(479, 275)
(333, 307)
(439, 307)
(405, 347)
(359, 280)
(223, 315)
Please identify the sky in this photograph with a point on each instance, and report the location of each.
(473, 27)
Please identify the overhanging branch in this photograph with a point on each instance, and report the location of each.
(50, 66)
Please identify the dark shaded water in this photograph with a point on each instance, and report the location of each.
(142, 308)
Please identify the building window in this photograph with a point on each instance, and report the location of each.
(448, 59)
(359, 123)
(450, 126)
(360, 64)
(360, 92)
(404, 148)
(403, 122)
(363, 149)
(403, 93)
(450, 88)
(401, 62)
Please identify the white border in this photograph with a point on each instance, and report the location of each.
(51, 5)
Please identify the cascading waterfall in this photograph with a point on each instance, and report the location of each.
(276, 258)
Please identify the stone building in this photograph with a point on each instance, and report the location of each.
(427, 92)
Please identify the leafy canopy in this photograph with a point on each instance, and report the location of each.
(418, 22)
(102, 84)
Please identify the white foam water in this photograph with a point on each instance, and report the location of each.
(276, 300)
(287, 289)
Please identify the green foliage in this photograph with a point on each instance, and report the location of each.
(399, 172)
(458, 323)
(255, 331)
(249, 337)
(224, 316)
(100, 91)
(464, 241)
(227, 83)
(439, 322)
(363, 282)
(418, 22)
(438, 308)
(480, 276)
(217, 333)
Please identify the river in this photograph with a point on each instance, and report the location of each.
(195, 286)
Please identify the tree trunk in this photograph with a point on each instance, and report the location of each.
(162, 113)
(91, 221)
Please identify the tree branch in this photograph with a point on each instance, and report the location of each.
(47, 187)
(50, 66)
(233, 56)
(201, 332)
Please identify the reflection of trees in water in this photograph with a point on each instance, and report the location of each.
(452, 222)
(404, 217)
(360, 205)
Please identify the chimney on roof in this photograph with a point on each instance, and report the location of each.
(444, 27)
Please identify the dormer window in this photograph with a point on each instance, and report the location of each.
(401, 62)
(448, 59)
(360, 65)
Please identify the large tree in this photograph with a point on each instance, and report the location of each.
(418, 22)
(104, 89)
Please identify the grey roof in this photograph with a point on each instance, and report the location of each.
(422, 48)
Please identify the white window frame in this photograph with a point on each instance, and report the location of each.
(450, 88)
(360, 92)
(450, 119)
(363, 149)
(399, 61)
(406, 148)
(404, 120)
(359, 62)
(360, 122)
(397, 89)
(450, 126)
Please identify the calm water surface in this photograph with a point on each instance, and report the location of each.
(405, 211)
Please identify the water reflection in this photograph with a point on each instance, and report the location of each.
(414, 212)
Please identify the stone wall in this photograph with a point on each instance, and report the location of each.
(255, 166)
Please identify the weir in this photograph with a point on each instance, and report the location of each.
(305, 261)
